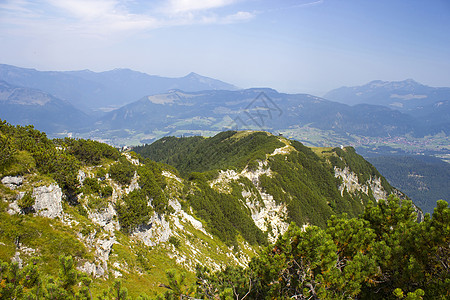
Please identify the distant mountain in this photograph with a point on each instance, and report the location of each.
(89, 90)
(428, 104)
(26, 106)
(195, 102)
(435, 117)
(407, 95)
(122, 86)
(253, 109)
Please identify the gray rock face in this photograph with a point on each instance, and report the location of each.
(12, 182)
(156, 231)
(92, 269)
(350, 181)
(48, 201)
(105, 218)
(81, 176)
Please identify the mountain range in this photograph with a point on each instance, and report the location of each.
(102, 91)
(127, 103)
(264, 109)
(429, 105)
(25, 106)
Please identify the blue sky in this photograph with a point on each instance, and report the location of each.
(293, 46)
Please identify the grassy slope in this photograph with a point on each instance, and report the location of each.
(144, 266)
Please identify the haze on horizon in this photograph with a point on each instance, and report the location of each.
(309, 46)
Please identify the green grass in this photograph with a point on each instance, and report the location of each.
(22, 163)
(323, 151)
(49, 237)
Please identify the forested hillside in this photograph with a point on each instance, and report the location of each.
(247, 215)
(424, 179)
(312, 185)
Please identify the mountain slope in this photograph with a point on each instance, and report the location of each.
(93, 91)
(309, 185)
(429, 105)
(25, 106)
(403, 95)
(119, 215)
(264, 109)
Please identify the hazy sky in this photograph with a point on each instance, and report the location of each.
(292, 46)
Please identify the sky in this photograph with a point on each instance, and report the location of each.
(302, 46)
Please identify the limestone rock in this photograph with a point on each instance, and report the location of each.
(92, 269)
(103, 248)
(156, 231)
(134, 185)
(16, 258)
(13, 208)
(12, 182)
(48, 201)
(81, 176)
(350, 181)
(105, 218)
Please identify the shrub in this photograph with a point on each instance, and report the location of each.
(122, 171)
(26, 202)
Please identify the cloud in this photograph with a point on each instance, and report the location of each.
(313, 3)
(87, 10)
(183, 6)
(103, 18)
(240, 16)
(189, 12)
(82, 18)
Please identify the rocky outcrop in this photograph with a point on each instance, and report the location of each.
(134, 185)
(171, 175)
(48, 201)
(267, 215)
(12, 182)
(132, 160)
(350, 182)
(81, 176)
(105, 218)
(93, 269)
(102, 244)
(253, 175)
(180, 215)
(377, 189)
(157, 230)
(221, 182)
(283, 150)
(103, 249)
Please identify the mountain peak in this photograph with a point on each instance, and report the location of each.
(196, 76)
